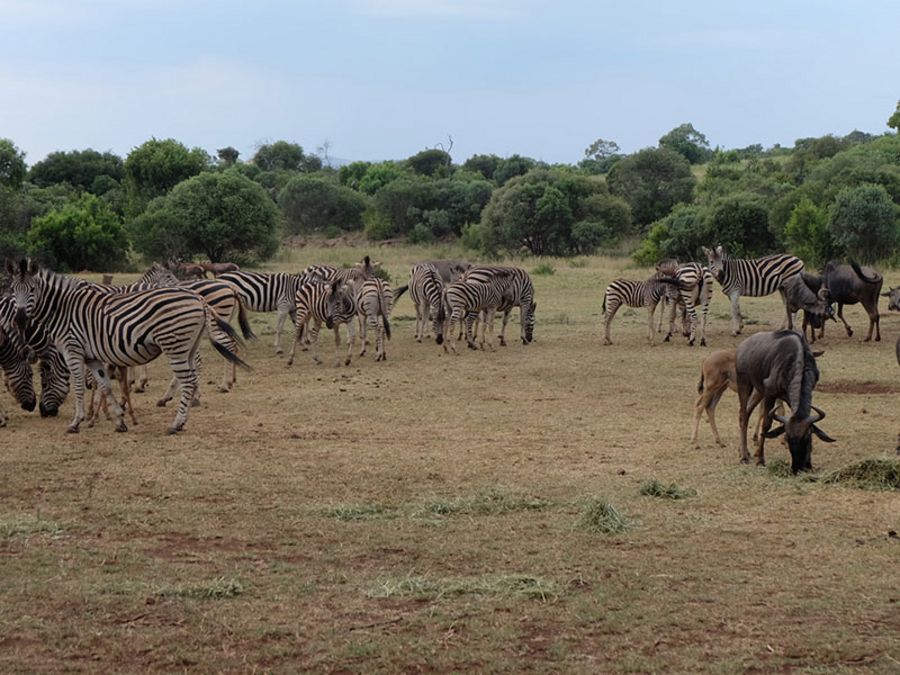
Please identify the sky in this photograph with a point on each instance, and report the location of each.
(384, 79)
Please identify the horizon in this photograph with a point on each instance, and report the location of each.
(381, 79)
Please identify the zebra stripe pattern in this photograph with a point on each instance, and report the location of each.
(635, 294)
(752, 277)
(19, 378)
(695, 284)
(519, 293)
(425, 289)
(331, 303)
(375, 299)
(472, 294)
(95, 329)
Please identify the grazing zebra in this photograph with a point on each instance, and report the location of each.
(519, 293)
(373, 299)
(94, 329)
(635, 294)
(695, 285)
(753, 277)
(17, 371)
(472, 295)
(328, 302)
(425, 289)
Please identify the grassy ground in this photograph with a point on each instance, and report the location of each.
(492, 511)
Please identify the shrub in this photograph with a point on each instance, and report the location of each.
(313, 203)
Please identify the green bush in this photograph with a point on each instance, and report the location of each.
(313, 203)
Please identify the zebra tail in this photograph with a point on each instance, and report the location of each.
(400, 291)
(246, 331)
(215, 327)
(384, 306)
(226, 328)
(229, 355)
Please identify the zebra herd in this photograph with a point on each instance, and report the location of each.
(88, 333)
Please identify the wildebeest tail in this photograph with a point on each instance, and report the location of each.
(862, 275)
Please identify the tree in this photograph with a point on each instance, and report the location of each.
(652, 182)
(312, 203)
(486, 165)
(512, 166)
(12, 164)
(864, 223)
(228, 156)
(285, 156)
(84, 234)
(600, 156)
(894, 120)
(807, 235)
(687, 142)
(157, 166)
(84, 170)
(223, 216)
(351, 174)
(430, 162)
(379, 175)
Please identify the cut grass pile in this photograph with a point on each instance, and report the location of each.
(869, 474)
(504, 585)
(14, 525)
(217, 589)
(601, 517)
(653, 488)
(492, 502)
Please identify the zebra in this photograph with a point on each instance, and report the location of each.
(425, 289)
(472, 295)
(18, 375)
(328, 302)
(34, 342)
(752, 277)
(94, 328)
(519, 293)
(635, 294)
(695, 284)
(373, 299)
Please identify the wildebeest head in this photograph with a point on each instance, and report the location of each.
(798, 434)
(716, 261)
(894, 298)
(822, 310)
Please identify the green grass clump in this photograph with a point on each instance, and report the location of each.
(11, 526)
(653, 488)
(217, 589)
(492, 502)
(780, 468)
(601, 517)
(578, 263)
(544, 269)
(507, 585)
(869, 474)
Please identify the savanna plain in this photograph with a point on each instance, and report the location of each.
(451, 513)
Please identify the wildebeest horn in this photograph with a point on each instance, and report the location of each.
(819, 412)
(780, 418)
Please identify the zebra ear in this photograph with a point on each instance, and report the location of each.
(720, 250)
(11, 268)
(706, 251)
(32, 267)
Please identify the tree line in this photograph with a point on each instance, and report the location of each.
(823, 198)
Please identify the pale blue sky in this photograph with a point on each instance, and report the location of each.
(383, 79)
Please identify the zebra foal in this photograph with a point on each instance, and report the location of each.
(754, 277)
(425, 289)
(635, 294)
(94, 329)
(466, 296)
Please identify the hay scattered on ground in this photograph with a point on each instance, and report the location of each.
(602, 517)
(870, 474)
(509, 585)
(653, 488)
(217, 589)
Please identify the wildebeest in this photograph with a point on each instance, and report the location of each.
(815, 305)
(449, 270)
(772, 367)
(894, 298)
(851, 284)
(218, 268)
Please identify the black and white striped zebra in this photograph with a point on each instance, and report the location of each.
(425, 289)
(754, 277)
(17, 373)
(635, 294)
(519, 293)
(94, 329)
(695, 285)
(332, 303)
(472, 295)
(374, 299)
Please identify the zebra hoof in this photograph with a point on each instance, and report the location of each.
(121, 428)
(195, 403)
(171, 431)
(346, 361)
(703, 342)
(161, 403)
(223, 390)
(73, 429)
(279, 351)
(745, 460)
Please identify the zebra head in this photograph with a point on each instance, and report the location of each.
(23, 290)
(19, 378)
(54, 382)
(338, 304)
(716, 259)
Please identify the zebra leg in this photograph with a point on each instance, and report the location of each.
(185, 369)
(142, 380)
(737, 319)
(314, 339)
(691, 311)
(379, 336)
(789, 317)
(612, 306)
(125, 385)
(505, 321)
(651, 312)
(279, 326)
(351, 339)
(488, 328)
(672, 310)
(75, 363)
(101, 380)
(170, 392)
(455, 317)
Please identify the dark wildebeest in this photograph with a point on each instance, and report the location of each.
(848, 285)
(449, 270)
(815, 304)
(218, 268)
(893, 296)
(772, 367)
